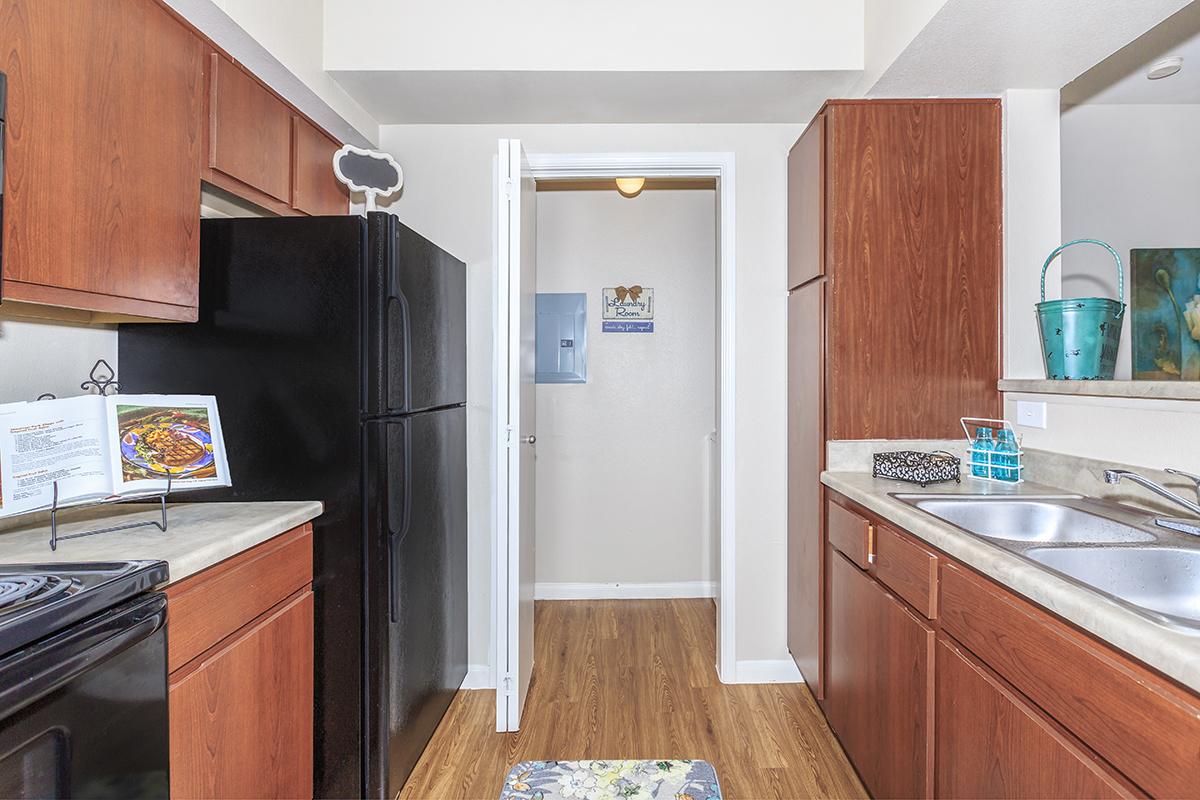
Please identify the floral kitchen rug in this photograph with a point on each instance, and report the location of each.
(612, 780)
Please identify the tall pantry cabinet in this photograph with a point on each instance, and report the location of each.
(894, 276)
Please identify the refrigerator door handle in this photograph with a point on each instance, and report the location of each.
(393, 589)
(398, 304)
(396, 538)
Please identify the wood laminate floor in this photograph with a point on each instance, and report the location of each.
(635, 679)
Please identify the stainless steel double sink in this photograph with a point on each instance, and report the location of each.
(1114, 549)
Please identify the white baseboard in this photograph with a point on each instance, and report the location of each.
(623, 591)
(479, 676)
(782, 670)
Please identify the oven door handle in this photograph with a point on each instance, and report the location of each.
(30, 674)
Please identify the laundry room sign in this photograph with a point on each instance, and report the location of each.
(628, 309)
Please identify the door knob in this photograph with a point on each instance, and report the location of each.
(530, 439)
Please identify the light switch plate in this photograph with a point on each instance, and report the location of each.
(1031, 414)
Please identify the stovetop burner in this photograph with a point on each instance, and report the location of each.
(26, 590)
(37, 600)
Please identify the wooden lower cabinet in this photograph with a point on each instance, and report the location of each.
(940, 682)
(878, 683)
(240, 690)
(241, 724)
(991, 743)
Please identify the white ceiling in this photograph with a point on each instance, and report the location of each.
(983, 47)
(1121, 78)
(468, 96)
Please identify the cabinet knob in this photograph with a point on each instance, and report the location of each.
(530, 439)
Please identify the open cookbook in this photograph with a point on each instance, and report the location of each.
(98, 448)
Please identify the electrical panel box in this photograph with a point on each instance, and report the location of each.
(561, 337)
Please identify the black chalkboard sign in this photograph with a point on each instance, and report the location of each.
(373, 173)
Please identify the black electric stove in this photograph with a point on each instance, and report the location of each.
(83, 680)
(38, 599)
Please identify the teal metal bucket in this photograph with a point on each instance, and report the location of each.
(1080, 336)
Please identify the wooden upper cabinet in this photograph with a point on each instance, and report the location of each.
(315, 189)
(250, 132)
(913, 256)
(806, 194)
(102, 163)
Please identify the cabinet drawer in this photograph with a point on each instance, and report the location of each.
(1137, 721)
(848, 533)
(991, 743)
(907, 569)
(207, 607)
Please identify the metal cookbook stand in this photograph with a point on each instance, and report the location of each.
(161, 524)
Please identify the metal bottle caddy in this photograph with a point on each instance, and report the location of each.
(997, 462)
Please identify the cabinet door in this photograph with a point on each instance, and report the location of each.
(806, 447)
(992, 744)
(315, 189)
(805, 194)
(250, 133)
(878, 688)
(914, 202)
(242, 722)
(102, 166)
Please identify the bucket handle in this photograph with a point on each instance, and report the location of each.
(1106, 246)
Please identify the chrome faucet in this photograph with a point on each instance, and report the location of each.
(1182, 525)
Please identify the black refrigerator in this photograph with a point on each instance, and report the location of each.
(336, 348)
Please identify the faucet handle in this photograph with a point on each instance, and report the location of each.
(1194, 478)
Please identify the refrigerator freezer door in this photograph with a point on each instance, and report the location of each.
(417, 579)
(418, 322)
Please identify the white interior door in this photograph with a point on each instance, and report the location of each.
(516, 252)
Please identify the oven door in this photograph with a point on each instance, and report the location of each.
(83, 713)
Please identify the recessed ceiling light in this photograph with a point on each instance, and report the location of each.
(1165, 68)
(630, 186)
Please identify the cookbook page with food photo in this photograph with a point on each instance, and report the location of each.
(154, 437)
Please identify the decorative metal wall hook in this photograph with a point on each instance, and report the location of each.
(105, 382)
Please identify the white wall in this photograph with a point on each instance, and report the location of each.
(888, 28)
(617, 35)
(38, 357)
(1146, 433)
(1131, 177)
(1128, 176)
(447, 196)
(1032, 203)
(621, 483)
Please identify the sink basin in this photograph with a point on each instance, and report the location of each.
(1165, 580)
(1028, 520)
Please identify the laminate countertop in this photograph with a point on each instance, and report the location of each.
(198, 535)
(1172, 650)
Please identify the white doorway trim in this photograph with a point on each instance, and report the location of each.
(690, 165)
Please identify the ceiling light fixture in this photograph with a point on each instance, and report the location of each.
(1165, 68)
(630, 187)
